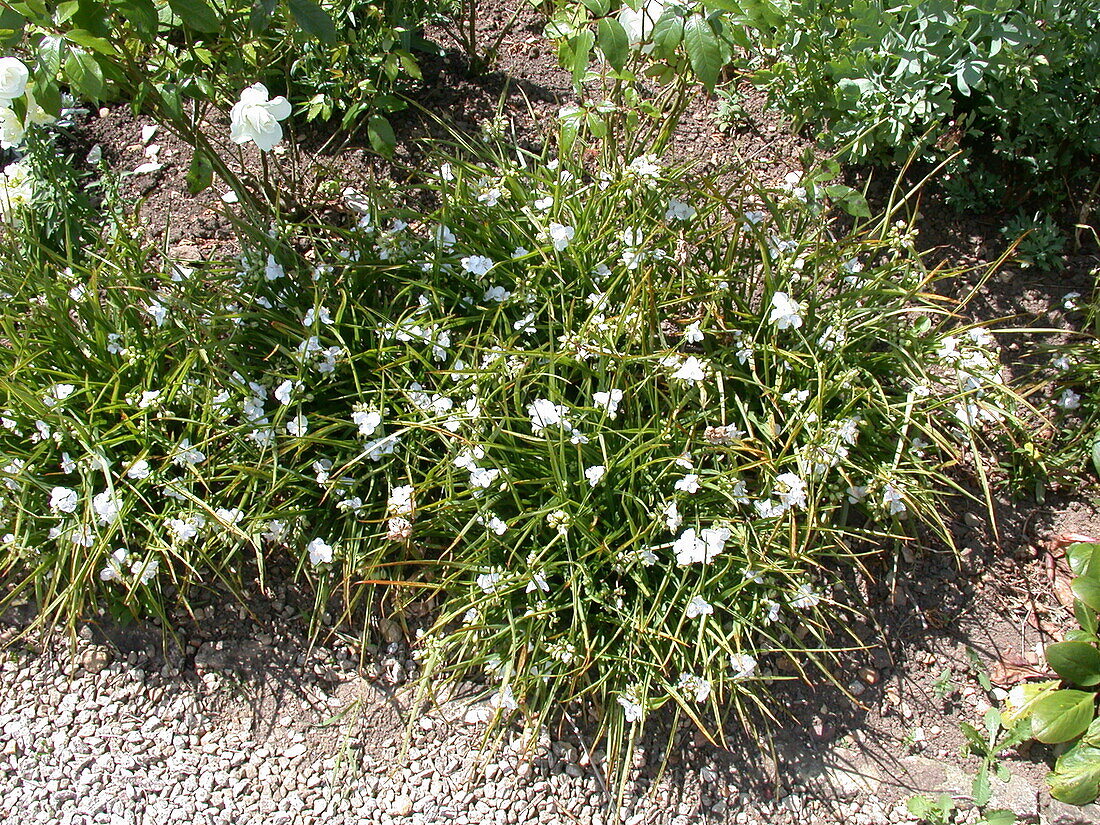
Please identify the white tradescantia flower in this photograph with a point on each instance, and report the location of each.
(786, 312)
(698, 606)
(560, 235)
(63, 500)
(594, 474)
(256, 117)
(320, 552)
(14, 75)
(744, 666)
(701, 547)
(608, 401)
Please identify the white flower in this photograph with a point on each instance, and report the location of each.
(145, 571)
(695, 685)
(312, 315)
(1069, 400)
(633, 703)
(483, 478)
(298, 425)
(398, 528)
(13, 79)
(692, 548)
(594, 474)
(254, 117)
(400, 502)
(786, 313)
(691, 370)
(608, 401)
(856, 493)
(112, 572)
(673, 519)
(538, 582)
(367, 420)
(11, 128)
(561, 235)
(692, 333)
(698, 606)
(688, 484)
(679, 211)
(320, 552)
(743, 665)
(639, 24)
(490, 582)
(477, 264)
(545, 413)
(188, 455)
(805, 597)
(57, 393)
(1070, 300)
(792, 490)
(273, 270)
(542, 204)
(284, 391)
(892, 500)
(63, 500)
(497, 293)
(106, 507)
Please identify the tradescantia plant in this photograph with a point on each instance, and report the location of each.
(1068, 715)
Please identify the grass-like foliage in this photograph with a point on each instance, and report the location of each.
(631, 429)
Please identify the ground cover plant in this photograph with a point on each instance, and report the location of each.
(633, 432)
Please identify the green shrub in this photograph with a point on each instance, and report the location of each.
(1012, 81)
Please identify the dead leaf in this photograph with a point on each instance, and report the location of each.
(1012, 668)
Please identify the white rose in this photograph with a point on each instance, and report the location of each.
(11, 128)
(13, 78)
(256, 118)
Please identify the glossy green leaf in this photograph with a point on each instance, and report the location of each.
(197, 14)
(598, 7)
(141, 14)
(668, 32)
(1084, 559)
(85, 75)
(90, 41)
(704, 51)
(1087, 589)
(314, 20)
(381, 135)
(1075, 779)
(1075, 662)
(1062, 715)
(997, 816)
(614, 42)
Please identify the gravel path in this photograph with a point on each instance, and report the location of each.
(260, 729)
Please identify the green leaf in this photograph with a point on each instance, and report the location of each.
(197, 14)
(849, 199)
(13, 22)
(314, 20)
(200, 174)
(1085, 617)
(1084, 559)
(981, 790)
(1021, 701)
(141, 14)
(1096, 454)
(381, 134)
(1062, 715)
(598, 7)
(260, 18)
(90, 41)
(704, 50)
(1075, 779)
(668, 33)
(1076, 662)
(580, 46)
(1087, 589)
(614, 42)
(84, 74)
(997, 816)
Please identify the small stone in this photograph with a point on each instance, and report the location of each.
(294, 751)
(401, 806)
(391, 631)
(95, 659)
(868, 675)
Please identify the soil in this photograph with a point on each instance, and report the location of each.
(934, 624)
